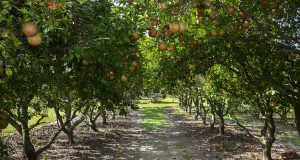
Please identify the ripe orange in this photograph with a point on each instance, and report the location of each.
(195, 5)
(85, 62)
(30, 30)
(136, 36)
(134, 64)
(230, 10)
(124, 78)
(130, 1)
(36, 40)
(246, 24)
(174, 27)
(222, 32)
(207, 4)
(181, 38)
(152, 33)
(182, 26)
(52, 5)
(162, 46)
(163, 6)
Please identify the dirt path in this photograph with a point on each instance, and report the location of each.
(182, 138)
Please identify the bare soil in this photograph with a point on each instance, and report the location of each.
(123, 138)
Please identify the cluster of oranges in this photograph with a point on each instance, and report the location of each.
(30, 30)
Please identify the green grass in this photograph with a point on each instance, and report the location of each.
(153, 115)
(180, 145)
(51, 118)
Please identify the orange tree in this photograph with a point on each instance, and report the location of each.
(48, 47)
(257, 40)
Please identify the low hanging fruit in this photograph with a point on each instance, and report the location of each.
(35, 41)
(174, 27)
(162, 46)
(52, 5)
(272, 104)
(85, 62)
(111, 75)
(241, 14)
(168, 33)
(154, 22)
(214, 33)
(130, 1)
(182, 26)
(207, 4)
(30, 30)
(152, 33)
(110, 101)
(199, 42)
(246, 24)
(136, 36)
(171, 48)
(124, 78)
(163, 6)
(133, 55)
(195, 5)
(230, 10)
(200, 11)
(222, 32)
(134, 64)
(181, 38)
(132, 69)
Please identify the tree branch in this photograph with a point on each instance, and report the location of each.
(38, 122)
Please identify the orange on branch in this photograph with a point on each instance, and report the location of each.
(136, 36)
(181, 38)
(35, 40)
(230, 10)
(195, 5)
(130, 1)
(52, 5)
(246, 24)
(124, 78)
(30, 30)
(85, 62)
(182, 26)
(152, 33)
(163, 6)
(162, 46)
(214, 33)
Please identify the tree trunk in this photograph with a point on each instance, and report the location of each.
(94, 126)
(196, 103)
(104, 118)
(222, 125)
(181, 102)
(70, 135)
(27, 145)
(190, 104)
(213, 119)
(203, 112)
(297, 115)
(268, 135)
(185, 104)
(221, 118)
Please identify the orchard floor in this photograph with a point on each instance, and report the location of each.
(123, 138)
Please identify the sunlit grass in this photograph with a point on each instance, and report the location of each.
(51, 118)
(153, 114)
